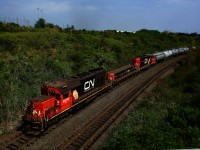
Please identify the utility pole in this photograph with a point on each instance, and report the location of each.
(42, 13)
(38, 9)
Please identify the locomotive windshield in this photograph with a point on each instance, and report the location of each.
(52, 93)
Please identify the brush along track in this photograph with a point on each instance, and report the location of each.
(94, 128)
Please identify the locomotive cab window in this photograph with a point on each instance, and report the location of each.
(57, 96)
(65, 96)
(52, 93)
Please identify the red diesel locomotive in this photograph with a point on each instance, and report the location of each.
(143, 61)
(61, 96)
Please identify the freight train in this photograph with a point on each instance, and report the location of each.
(62, 96)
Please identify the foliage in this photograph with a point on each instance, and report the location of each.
(40, 23)
(32, 56)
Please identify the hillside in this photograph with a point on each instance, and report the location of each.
(32, 56)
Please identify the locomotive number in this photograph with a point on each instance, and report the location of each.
(89, 85)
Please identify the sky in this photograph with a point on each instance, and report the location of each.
(123, 15)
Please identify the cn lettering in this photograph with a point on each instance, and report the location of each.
(89, 85)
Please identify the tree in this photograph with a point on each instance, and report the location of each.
(50, 25)
(40, 23)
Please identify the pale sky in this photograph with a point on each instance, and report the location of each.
(125, 15)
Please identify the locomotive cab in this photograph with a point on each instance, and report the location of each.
(34, 117)
(143, 61)
(137, 63)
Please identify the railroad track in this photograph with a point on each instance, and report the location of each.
(94, 128)
(86, 136)
(22, 141)
(16, 142)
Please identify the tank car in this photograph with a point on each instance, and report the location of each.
(186, 49)
(175, 52)
(159, 56)
(167, 53)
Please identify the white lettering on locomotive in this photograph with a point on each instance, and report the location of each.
(145, 61)
(89, 85)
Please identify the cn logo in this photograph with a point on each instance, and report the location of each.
(89, 85)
